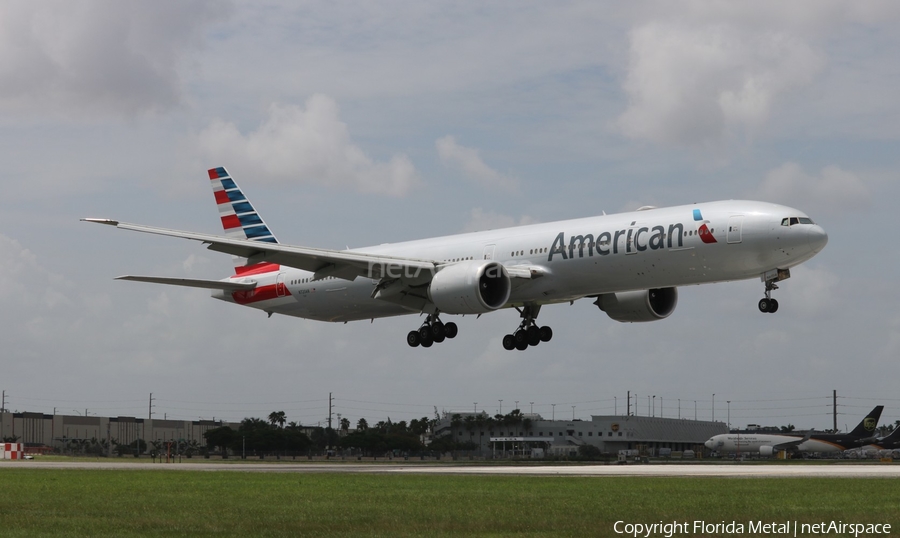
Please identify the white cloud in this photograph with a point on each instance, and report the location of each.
(308, 144)
(695, 84)
(90, 57)
(813, 292)
(469, 161)
(833, 191)
(479, 220)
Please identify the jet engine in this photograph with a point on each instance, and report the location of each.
(470, 287)
(643, 305)
(766, 450)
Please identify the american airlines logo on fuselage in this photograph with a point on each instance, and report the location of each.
(637, 239)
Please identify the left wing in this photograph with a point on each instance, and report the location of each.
(322, 262)
(792, 445)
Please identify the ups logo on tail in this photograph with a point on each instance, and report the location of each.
(869, 424)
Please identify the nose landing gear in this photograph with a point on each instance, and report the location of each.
(767, 304)
(432, 331)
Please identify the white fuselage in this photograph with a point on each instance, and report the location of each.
(647, 249)
(734, 443)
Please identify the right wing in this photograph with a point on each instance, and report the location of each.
(224, 285)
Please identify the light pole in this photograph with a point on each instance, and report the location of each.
(695, 409)
(517, 404)
(714, 407)
(654, 406)
(729, 414)
(660, 407)
(501, 407)
(531, 412)
(554, 411)
(615, 406)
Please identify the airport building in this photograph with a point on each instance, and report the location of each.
(530, 435)
(524, 435)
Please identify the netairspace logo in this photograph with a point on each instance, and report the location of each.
(751, 528)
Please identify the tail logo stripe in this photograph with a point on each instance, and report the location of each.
(239, 218)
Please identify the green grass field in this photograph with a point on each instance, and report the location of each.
(38, 502)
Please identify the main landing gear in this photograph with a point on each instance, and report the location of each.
(528, 333)
(433, 330)
(767, 304)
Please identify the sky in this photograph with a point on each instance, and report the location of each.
(351, 124)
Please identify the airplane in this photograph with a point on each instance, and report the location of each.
(890, 442)
(630, 264)
(769, 444)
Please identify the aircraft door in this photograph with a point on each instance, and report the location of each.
(489, 252)
(279, 285)
(735, 225)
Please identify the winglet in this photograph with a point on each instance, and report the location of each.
(101, 221)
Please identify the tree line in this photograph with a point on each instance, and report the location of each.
(257, 437)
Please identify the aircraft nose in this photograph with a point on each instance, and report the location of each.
(709, 444)
(817, 238)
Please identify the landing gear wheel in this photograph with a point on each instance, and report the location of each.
(546, 333)
(534, 336)
(768, 306)
(427, 343)
(437, 331)
(450, 330)
(521, 337)
(425, 333)
(509, 342)
(522, 346)
(413, 339)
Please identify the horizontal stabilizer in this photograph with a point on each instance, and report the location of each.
(193, 282)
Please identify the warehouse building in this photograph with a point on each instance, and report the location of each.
(39, 431)
(530, 435)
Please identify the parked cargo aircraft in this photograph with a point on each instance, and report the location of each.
(630, 264)
(890, 442)
(769, 444)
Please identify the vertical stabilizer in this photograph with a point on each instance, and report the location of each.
(867, 427)
(239, 219)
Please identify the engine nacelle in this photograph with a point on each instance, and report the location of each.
(766, 450)
(470, 287)
(642, 305)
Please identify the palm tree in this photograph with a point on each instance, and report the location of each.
(362, 425)
(277, 417)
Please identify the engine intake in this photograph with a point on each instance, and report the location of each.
(470, 287)
(642, 305)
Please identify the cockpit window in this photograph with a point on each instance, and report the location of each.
(790, 221)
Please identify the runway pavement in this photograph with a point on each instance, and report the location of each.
(833, 470)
